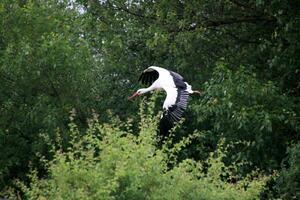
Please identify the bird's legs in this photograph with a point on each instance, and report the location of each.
(197, 92)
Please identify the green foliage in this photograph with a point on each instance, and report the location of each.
(240, 108)
(288, 183)
(84, 57)
(108, 163)
(44, 66)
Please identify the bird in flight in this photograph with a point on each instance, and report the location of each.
(177, 90)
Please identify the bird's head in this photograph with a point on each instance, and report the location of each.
(138, 93)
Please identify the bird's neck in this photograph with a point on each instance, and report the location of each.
(145, 90)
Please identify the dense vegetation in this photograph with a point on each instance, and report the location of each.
(68, 132)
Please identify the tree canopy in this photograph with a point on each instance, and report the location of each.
(66, 63)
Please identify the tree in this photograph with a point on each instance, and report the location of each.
(44, 70)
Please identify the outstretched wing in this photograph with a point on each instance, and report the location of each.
(148, 76)
(174, 112)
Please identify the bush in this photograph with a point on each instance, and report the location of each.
(288, 183)
(109, 162)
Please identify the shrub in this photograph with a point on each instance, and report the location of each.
(288, 183)
(109, 162)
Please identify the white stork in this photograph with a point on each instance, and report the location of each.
(177, 91)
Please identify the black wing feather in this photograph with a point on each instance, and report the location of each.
(174, 113)
(176, 75)
(178, 80)
(141, 77)
(149, 76)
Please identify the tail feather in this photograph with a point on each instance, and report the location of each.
(188, 88)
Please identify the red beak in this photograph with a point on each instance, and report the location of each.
(134, 95)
